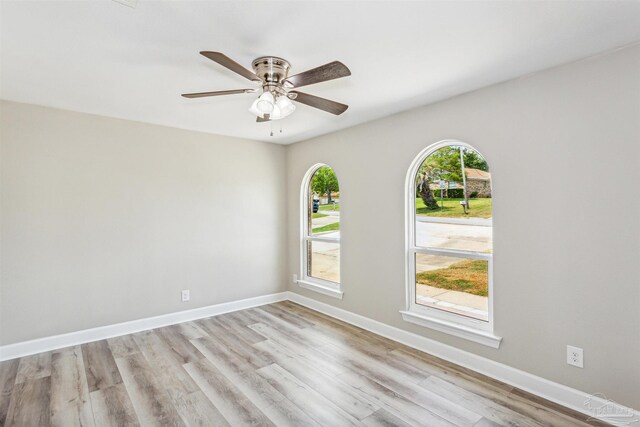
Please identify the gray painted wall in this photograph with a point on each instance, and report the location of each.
(106, 220)
(563, 146)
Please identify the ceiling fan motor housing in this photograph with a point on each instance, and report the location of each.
(272, 71)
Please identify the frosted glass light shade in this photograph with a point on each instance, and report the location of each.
(285, 105)
(254, 108)
(276, 114)
(265, 103)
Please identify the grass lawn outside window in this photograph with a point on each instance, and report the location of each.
(470, 276)
(330, 207)
(478, 208)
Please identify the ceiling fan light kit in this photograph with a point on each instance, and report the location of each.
(273, 75)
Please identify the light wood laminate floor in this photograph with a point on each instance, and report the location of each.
(279, 364)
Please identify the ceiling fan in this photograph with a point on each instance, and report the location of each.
(272, 73)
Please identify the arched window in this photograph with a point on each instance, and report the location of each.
(320, 243)
(449, 242)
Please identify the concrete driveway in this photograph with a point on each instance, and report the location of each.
(454, 236)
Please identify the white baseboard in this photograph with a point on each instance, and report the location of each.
(566, 396)
(558, 393)
(40, 345)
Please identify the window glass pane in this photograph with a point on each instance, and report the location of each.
(443, 191)
(453, 284)
(468, 237)
(325, 224)
(323, 261)
(324, 203)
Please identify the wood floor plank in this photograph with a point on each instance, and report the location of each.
(249, 316)
(8, 372)
(34, 367)
(337, 392)
(190, 330)
(236, 327)
(321, 333)
(345, 337)
(384, 418)
(308, 336)
(371, 366)
(288, 315)
(454, 372)
(123, 346)
(298, 349)
(218, 332)
(495, 392)
(336, 326)
(230, 401)
(316, 405)
(401, 381)
(279, 350)
(392, 402)
(197, 410)
(29, 405)
(241, 373)
(182, 349)
(449, 410)
(315, 316)
(100, 366)
(478, 404)
(363, 351)
(341, 330)
(486, 423)
(70, 402)
(64, 352)
(151, 402)
(165, 364)
(112, 407)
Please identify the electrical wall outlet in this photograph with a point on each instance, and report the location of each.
(186, 295)
(575, 356)
(294, 279)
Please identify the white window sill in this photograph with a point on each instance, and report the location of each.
(320, 288)
(451, 328)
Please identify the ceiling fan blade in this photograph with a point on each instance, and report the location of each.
(327, 105)
(217, 93)
(323, 73)
(229, 63)
(263, 119)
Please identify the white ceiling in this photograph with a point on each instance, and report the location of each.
(105, 58)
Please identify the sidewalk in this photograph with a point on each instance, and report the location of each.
(461, 302)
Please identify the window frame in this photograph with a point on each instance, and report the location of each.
(304, 280)
(459, 325)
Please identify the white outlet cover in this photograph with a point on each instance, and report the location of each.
(186, 295)
(575, 356)
(294, 279)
